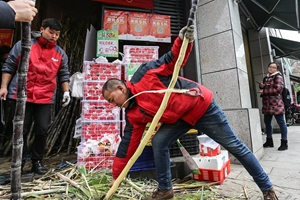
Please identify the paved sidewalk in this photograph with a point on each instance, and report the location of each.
(283, 168)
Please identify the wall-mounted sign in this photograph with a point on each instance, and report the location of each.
(6, 37)
(107, 43)
(116, 20)
(138, 26)
(160, 28)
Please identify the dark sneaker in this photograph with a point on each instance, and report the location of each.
(159, 194)
(270, 194)
(38, 167)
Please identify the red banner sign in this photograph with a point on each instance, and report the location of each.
(160, 28)
(131, 3)
(6, 37)
(116, 20)
(138, 26)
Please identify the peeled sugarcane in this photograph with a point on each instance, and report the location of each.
(17, 142)
(160, 111)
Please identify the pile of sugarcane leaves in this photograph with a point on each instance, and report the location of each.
(78, 183)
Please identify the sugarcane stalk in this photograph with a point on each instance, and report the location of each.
(73, 183)
(71, 122)
(160, 111)
(17, 143)
(71, 141)
(57, 133)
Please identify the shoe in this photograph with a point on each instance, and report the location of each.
(38, 167)
(270, 194)
(283, 145)
(159, 194)
(269, 143)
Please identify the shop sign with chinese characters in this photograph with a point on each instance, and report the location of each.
(107, 43)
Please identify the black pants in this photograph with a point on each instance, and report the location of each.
(41, 114)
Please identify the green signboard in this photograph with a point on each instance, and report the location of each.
(107, 43)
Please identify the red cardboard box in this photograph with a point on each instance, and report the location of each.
(213, 175)
(206, 151)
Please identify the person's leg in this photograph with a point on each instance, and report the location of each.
(215, 124)
(161, 142)
(283, 130)
(269, 130)
(9, 113)
(42, 117)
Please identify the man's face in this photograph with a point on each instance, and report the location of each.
(50, 34)
(117, 97)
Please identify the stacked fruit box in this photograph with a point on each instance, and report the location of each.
(100, 120)
(134, 56)
(213, 163)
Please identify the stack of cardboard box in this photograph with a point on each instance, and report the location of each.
(213, 163)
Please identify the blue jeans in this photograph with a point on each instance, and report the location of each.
(280, 122)
(214, 124)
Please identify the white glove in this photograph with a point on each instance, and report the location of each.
(188, 33)
(66, 99)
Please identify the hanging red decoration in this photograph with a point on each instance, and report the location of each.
(131, 3)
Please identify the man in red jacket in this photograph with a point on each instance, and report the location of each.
(47, 63)
(194, 108)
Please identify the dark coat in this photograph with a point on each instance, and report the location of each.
(7, 16)
(271, 96)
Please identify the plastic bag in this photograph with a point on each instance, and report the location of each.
(76, 85)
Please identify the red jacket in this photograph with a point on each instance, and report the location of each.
(47, 61)
(156, 75)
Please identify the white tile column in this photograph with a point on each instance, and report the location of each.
(223, 68)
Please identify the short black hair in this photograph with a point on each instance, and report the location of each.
(111, 84)
(52, 24)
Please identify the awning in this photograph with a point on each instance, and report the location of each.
(280, 14)
(285, 48)
(295, 78)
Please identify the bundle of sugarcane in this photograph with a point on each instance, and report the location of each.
(62, 127)
(78, 183)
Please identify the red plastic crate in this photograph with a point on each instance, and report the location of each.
(101, 71)
(96, 130)
(97, 162)
(93, 91)
(213, 175)
(99, 111)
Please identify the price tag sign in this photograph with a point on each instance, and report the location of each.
(107, 43)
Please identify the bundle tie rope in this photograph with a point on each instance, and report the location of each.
(182, 91)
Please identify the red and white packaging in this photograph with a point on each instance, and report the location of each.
(212, 162)
(207, 146)
(212, 168)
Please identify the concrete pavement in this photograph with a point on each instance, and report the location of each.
(283, 168)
